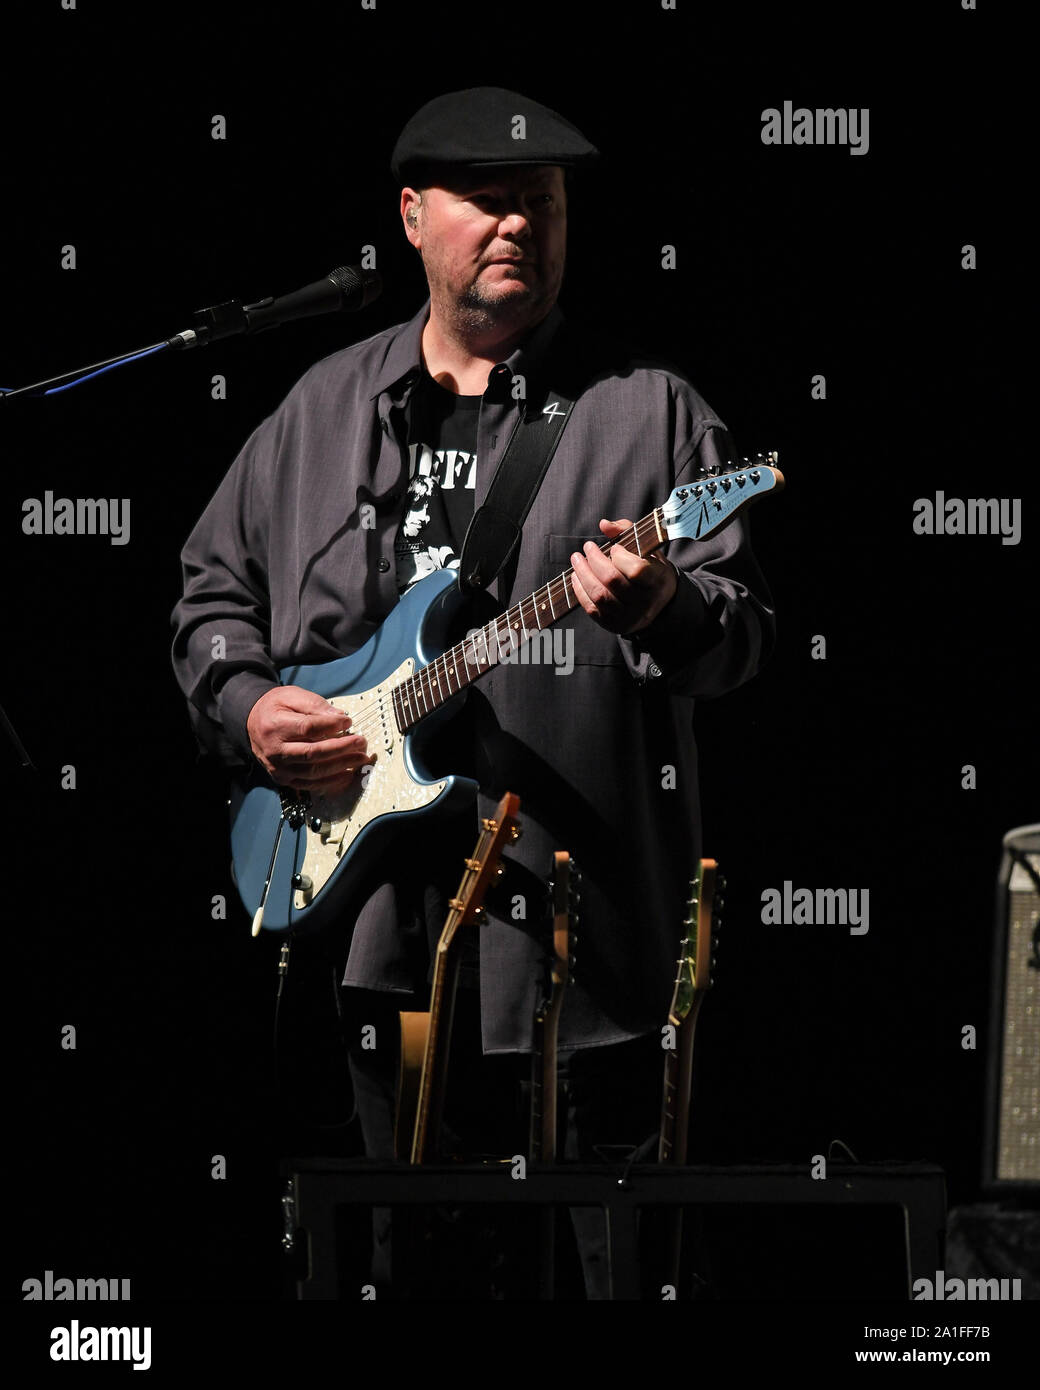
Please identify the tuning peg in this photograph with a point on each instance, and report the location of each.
(514, 833)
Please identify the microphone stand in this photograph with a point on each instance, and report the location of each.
(85, 373)
(225, 321)
(212, 324)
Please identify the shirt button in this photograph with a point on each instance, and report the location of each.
(384, 565)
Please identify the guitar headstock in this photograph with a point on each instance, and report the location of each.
(566, 904)
(498, 832)
(565, 896)
(700, 936)
(696, 509)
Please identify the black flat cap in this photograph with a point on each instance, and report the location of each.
(483, 127)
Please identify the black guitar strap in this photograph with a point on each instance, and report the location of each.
(494, 533)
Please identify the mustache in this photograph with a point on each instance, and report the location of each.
(508, 256)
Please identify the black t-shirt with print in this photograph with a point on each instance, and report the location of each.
(442, 472)
(442, 475)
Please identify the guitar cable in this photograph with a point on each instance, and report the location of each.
(283, 970)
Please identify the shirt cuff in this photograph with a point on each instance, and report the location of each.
(235, 700)
(684, 629)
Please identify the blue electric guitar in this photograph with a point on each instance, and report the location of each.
(297, 857)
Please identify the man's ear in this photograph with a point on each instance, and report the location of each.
(411, 215)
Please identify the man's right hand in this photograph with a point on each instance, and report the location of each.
(302, 742)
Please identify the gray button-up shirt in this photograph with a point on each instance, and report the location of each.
(293, 562)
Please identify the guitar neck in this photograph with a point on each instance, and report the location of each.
(499, 830)
(692, 980)
(542, 1146)
(545, 1033)
(675, 1106)
(536, 1138)
(428, 688)
(433, 1085)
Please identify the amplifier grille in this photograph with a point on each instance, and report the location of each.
(1018, 1137)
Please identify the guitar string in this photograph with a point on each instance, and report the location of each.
(382, 708)
(647, 528)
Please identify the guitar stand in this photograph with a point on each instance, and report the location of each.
(317, 1187)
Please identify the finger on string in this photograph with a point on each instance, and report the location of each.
(308, 754)
(320, 724)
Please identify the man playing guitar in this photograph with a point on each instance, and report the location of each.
(361, 484)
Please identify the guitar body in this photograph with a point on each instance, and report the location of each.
(397, 788)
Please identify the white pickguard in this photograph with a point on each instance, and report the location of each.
(386, 786)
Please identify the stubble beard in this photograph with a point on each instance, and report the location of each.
(478, 311)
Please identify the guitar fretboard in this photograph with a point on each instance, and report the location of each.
(485, 647)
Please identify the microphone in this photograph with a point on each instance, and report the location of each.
(346, 289)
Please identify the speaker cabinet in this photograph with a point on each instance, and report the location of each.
(1012, 1147)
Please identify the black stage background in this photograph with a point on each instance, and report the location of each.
(843, 772)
